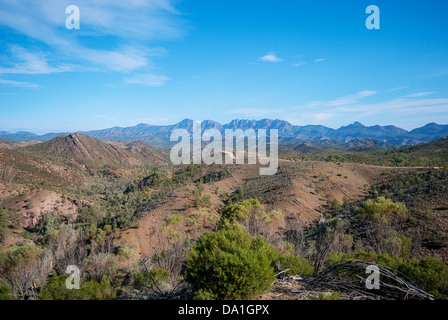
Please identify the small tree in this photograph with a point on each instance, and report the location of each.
(335, 205)
(326, 234)
(230, 264)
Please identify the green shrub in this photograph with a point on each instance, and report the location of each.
(5, 293)
(150, 279)
(296, 265)
(430, 274)
(241, 210)
(383, 210)
(250, 209)
(14, 257)
(174, 219)
(335, 205)
(56, 289)
(230, 264)
(126, 253)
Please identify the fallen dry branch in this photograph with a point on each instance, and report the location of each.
(349, 280)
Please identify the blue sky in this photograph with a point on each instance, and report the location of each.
(160, 61)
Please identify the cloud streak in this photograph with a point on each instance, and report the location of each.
(11, 83)
(351, 99)
(418, 94)
(148, 80)
(350, 108)
(270, 57)
(28, 62)
(129, 26)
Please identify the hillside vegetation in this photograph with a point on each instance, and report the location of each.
(138, 227)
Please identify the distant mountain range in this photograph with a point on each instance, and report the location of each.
(355, 134)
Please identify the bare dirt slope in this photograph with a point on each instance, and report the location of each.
(33, 204)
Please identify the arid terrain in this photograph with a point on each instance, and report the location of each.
(114, 205)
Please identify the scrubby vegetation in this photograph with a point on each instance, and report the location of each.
(220, 242)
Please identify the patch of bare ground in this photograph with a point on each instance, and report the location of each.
(33, 204)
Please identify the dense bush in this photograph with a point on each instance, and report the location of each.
(229, 264)
(56, 289)
(296, 265)
(383, 210)
(15, 256)
(241, 210)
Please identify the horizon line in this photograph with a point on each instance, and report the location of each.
(223, 124)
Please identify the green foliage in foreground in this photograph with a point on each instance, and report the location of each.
(56, 289)
(296, 265)
(230, 264)
(429, 274)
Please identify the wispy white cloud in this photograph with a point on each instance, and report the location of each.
(127, 24)
(351, 108)
(24, 61)
(299, 64)
(148, 80)
(396, 107)
(396, 89)
(271, 57)
(401, 106)
(350, 99)
(11, 83)
(418, 94)
(320, 59)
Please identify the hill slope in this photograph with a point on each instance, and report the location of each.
(144, 150)
(80, 146)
